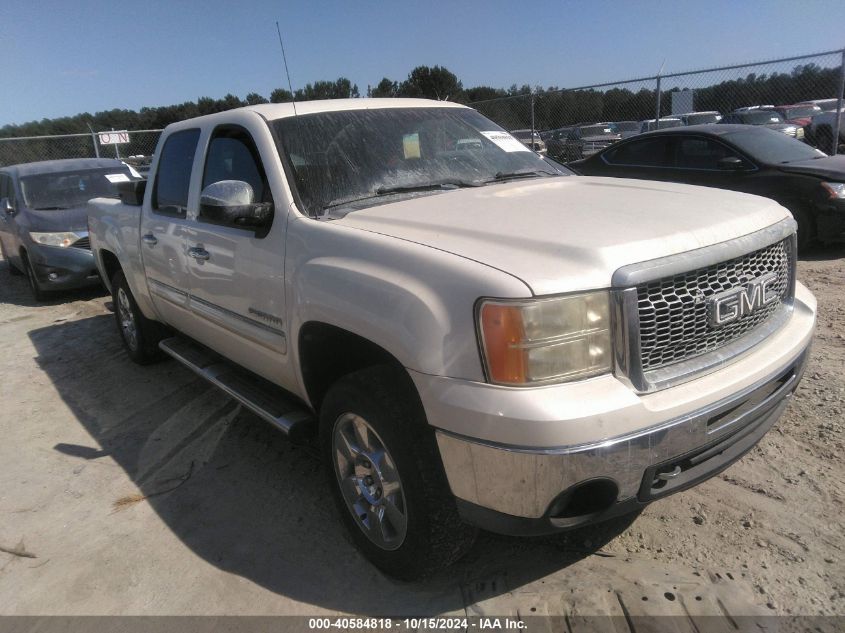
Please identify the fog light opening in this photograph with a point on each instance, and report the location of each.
(585, 500)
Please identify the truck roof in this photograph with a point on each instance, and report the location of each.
(275, 111)
(272, 111)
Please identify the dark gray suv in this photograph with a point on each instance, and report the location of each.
(44, 221)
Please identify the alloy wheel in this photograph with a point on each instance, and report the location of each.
(127, 320)
(369, 482)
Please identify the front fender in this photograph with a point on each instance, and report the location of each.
(415, 302)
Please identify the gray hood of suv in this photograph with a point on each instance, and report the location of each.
(570, 233)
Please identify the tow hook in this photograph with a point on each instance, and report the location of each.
(668, 476)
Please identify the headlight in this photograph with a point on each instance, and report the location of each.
(835, 189)
(546, 340)
(799, 133)
(54, 239)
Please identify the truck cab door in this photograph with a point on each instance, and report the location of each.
(164, 225)
(237, 272)
(6, 219)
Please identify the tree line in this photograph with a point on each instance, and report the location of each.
(510, 107)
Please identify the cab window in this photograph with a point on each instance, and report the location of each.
(232, 155)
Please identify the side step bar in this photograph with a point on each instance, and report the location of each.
(263, 398)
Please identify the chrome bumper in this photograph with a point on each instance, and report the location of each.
(500, 486)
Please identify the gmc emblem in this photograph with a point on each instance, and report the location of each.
(730, 305)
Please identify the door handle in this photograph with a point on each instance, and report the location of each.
(150, 239)
(198, 253)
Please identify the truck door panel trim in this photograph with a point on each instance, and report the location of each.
(169, 293)
(239, 324)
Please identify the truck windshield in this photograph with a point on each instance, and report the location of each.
(358, 158)
(68, 189)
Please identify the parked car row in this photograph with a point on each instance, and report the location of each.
(809, 121)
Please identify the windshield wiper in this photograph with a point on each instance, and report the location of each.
(446, 184)
(49, 208)
(513, 175)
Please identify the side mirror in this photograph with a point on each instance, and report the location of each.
(132, 192)
(731, 163)
(7, 207)
(231, 203)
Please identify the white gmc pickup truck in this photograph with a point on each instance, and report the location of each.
(477, 337)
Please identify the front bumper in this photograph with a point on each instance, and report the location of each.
(63, 268)
(595, 449)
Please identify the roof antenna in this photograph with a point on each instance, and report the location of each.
(285, 59)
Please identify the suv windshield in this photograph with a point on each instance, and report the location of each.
(761, 117)
(663, 124)
(626, 126)
(354, 157)
(702, 119)
(596, 130)
(769, 146)
(68, 189)
(801, 112)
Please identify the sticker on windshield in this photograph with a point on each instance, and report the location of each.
(114, 178)
(506, 142)
(411, 145)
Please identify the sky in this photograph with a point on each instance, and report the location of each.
(61, 58)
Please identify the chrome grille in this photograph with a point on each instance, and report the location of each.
(673, 311)
(84, 242)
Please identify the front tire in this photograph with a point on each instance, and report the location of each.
(37, 293)
(806, 228)
(386, 475)
(14, 272)
(139, 334)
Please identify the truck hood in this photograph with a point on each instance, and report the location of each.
(570, 233)
(832, 167)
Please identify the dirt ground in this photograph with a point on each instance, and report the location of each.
(141, 490)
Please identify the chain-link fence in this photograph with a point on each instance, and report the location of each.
(751, 93)
(27, 149)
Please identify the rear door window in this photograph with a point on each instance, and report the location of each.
(700, 153)
(650, 152)
(173, 177)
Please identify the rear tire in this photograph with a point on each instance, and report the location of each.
(386, 476)
(139, 334)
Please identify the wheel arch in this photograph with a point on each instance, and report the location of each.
(327, 352)
(110, 265)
